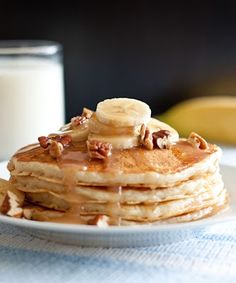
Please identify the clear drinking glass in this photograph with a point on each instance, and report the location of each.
(31, 92)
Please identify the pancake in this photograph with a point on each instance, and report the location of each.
(125, 167)
(155, 177)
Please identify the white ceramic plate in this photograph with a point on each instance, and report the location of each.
(124, 236)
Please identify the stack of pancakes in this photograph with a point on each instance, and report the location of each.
(131, 185)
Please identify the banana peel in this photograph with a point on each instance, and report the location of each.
(214, 118)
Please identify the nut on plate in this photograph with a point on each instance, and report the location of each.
(12, 203)
(99, 220)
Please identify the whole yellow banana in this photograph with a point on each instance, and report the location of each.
(214, 118)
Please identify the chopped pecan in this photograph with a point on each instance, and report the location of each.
(99, 220)
(197, 141)
(65, 140)
(161, 139)
(55, 144)
(99, 150)
(146, 137)
(78, 120)
(12, 203)
(44, 141)
(55, 149)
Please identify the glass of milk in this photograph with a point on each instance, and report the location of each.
(31, 92)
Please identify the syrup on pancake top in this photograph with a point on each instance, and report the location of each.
(115, 166)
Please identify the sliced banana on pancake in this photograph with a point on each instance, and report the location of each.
(123, 112)
(120, 139)
(96, 127)
(78, 135)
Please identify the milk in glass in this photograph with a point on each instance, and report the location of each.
(31, 101)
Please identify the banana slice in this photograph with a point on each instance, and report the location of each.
(123, 141)
(97, 127)
(123, 112)
(78, 134)
(118, 142)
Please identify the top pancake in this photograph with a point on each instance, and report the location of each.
(135, 166)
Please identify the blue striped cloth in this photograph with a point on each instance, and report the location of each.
(210, 256)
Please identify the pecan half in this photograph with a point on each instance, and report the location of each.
(146, 137)
(161, 139)
(197, 141)
(99, 150)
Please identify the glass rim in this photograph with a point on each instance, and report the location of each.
(34, 47)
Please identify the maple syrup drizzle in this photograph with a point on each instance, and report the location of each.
(113, 208)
